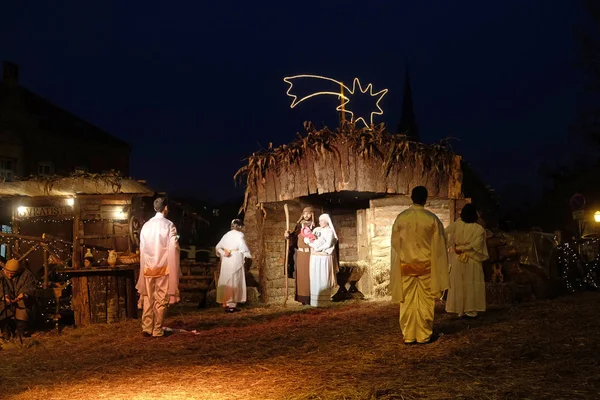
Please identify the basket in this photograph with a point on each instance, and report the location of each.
(128, 258)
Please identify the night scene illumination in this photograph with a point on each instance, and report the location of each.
(202, 200)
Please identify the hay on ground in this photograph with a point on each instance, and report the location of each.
(539, 350)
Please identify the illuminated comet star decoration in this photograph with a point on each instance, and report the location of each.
(346, 99)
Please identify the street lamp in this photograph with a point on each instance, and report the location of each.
(597, 216)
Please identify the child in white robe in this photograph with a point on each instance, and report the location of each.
(231, 288)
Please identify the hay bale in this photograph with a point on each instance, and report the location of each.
(382, 284)
(252, 296)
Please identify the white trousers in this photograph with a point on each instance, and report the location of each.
(155, 305)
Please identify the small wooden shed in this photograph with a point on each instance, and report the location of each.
(55, 221)
(362, 177)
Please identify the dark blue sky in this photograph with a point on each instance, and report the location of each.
(197, 86)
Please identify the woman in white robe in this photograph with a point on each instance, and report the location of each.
(323, 263)
(468, 249)
(231, 288)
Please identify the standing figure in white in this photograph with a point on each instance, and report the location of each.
(231, 288)
(323, 262)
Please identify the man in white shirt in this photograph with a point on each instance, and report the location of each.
(158, 283)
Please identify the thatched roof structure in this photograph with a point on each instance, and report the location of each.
(81, 184)
(350, 159)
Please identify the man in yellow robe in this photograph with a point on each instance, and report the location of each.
(419, 267)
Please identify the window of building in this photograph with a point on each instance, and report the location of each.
(7, 169)
(45, 168)
(81, 169)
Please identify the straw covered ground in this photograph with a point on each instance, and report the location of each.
(538, 350)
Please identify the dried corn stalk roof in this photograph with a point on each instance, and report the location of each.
(349, 158)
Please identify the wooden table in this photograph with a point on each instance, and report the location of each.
(103, 295)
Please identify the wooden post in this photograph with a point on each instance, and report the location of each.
(81, 301)
(122, 294)
(45, 263)
(112, 298)
(342, 101)
(129, 244)
(114, 239)
(15, 251)
(287, 251)
(77, 232)
(130, 294)
(452, 209)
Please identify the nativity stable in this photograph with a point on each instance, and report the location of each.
(362, 178)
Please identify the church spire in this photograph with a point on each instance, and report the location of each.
(408, 121)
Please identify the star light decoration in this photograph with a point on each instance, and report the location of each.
(346, 99)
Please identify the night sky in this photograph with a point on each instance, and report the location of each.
(195, 87)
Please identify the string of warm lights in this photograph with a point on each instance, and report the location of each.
(577, 273)
(45, 220)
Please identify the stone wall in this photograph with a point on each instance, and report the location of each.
(379, 219)
(345, 227)
(364, 236)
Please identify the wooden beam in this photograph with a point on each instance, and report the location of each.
(31, 250)
(106, 236)
(77, 232)
(45, 263)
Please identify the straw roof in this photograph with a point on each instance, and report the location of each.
(350, 159)
(87, 184)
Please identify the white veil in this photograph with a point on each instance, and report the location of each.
(327, 219)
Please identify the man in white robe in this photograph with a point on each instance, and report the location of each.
(419, 267)
(158, 283)
(232, 248)
(323, 263)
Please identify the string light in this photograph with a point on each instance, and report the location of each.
(45, 220)
(577, 273)
(346, 99)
